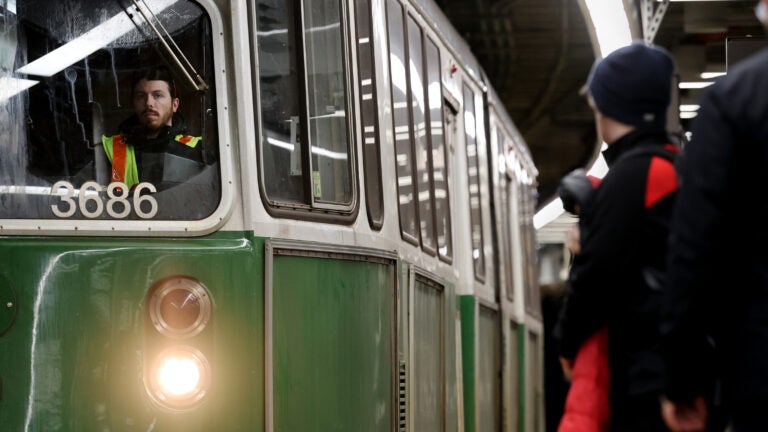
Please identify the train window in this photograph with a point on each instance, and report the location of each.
(473, 172)
(438, 154)
(532, 297)
(369, 115)
(306, 148)
(100, 117)
(421, 148)
(505, 192)
(399, 77)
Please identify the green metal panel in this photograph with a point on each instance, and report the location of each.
(74, 359)
(487, 371)
(333, 332)
(427, 382)
(467, 305)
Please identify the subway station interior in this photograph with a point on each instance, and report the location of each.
(368, 235)
(538, 54)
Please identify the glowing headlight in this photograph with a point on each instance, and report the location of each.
(180, 307)
(180, 377)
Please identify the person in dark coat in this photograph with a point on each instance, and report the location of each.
(586, 407)
(613, 282)
(153, 145)
(716, 298)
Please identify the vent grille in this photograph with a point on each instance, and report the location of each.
(402, 399)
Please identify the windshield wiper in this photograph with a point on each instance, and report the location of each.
(197, 82)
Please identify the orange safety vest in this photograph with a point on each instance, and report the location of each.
(118, 159)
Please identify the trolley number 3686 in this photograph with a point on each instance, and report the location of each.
(92, 204)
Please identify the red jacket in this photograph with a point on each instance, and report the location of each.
(587, 408)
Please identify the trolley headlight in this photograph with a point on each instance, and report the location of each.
(180, 307)
(180, 377)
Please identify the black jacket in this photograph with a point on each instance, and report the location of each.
(136, 135)
(718, 263)
(163, 161)
(611, 282)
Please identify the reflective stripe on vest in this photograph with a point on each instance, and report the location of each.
(118, 159)
(188, 140)
(122, 158)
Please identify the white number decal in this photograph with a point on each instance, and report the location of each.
(119, 197)
(85, 196)
(67, 198)
(138, 199)
(117, 193)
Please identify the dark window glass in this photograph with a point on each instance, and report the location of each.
(402, 128)
(304, 103)
(473, 177)
(439, 155)
(369, 115)
(532, 295)
(506, 219)
(280, 101)
(421, 148)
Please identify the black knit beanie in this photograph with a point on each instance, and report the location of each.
(633, 85)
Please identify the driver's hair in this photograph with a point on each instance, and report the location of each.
(155, 73)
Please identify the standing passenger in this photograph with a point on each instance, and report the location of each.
(611, 284)
(717, 285)
(587, 407)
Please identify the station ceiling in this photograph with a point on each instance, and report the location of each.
(537, 54)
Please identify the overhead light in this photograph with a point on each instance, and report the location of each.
(548, 213)
(611, 31)
(688, 114)
(86, 44)
(694, 84)
(10, 87)
(711, 75)
(610, 24)
(688, 108)
(11, 7)
(600, 168)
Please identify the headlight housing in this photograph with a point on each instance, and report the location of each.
(177, 374)
(180, 307)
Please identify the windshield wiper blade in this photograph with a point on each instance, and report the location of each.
(197, 82)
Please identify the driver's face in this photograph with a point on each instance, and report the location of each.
(153, 104)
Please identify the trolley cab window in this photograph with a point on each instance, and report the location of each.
(107, 111)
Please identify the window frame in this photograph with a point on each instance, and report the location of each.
(311, 208)
(162, 228)
(371, 158)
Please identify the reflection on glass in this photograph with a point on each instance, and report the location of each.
(327, 96)
(475, 211)
(405, 186)
(439, 168)
(279, 101)
(369, 115)
(303, 100)
(420, 140)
